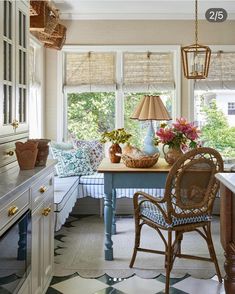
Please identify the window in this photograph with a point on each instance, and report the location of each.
(90, 114)
(35, 90)
(231, 108)
(214, 104)
(102, 87)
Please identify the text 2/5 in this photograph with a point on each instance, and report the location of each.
(216, 15)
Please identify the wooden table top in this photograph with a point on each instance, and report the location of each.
(106, 166)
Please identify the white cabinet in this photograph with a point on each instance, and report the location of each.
(42, 234)
(14, 32)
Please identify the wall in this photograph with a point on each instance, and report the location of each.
(131, 33)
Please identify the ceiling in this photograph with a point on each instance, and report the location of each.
(134, 9)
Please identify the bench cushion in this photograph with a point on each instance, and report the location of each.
(64, 187)
(93, 186)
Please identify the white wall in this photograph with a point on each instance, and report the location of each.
(144, 32)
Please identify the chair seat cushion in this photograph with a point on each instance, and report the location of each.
(151, 211)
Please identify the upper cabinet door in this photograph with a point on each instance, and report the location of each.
(14, 29)
(22, 39)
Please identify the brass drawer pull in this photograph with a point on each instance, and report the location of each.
(10, 153)
(46, 211)
(12, 210)
(43, 189)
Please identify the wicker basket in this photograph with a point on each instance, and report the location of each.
(45, 19)
(143, 162)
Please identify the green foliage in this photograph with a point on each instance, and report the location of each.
(216, 132)
(116, 136)
(90, 114)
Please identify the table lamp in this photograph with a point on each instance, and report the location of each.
(150, 108)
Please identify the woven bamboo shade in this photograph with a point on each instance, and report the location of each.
(92, 69)
(145, 71)
(222, 73)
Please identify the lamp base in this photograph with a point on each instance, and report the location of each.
(149, 147)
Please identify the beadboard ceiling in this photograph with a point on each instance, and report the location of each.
(134, 9)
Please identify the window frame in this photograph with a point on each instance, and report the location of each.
(214, 48)
(119, 94)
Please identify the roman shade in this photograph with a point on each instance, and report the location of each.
(148, 71)
(90, 72)
(221, 73)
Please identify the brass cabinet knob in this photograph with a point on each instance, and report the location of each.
(46, 211)
(15, 124)
(43, 189)
(12, 210)
(10, 153)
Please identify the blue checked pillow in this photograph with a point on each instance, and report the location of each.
(72, 163)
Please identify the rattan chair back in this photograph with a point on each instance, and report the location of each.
(191, 186)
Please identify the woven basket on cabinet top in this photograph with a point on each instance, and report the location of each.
(143, 162)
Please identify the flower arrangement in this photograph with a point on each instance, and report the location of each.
(181, 134)
(116, 136)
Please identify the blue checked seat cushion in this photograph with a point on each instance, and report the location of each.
(151, 211)
(93, 186)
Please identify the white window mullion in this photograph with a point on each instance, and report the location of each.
(119, 105)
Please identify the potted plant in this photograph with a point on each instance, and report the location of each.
(116, 137)
(179, 137)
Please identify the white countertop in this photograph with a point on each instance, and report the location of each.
(228, 179)
(16, 180)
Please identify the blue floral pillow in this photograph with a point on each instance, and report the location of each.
(72, 163)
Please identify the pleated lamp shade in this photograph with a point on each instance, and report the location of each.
(151, 108)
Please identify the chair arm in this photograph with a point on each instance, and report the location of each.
(150, 198)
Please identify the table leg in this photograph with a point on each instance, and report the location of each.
(108, 217)
(114, 212)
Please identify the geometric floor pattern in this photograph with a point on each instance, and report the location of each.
(74, 284)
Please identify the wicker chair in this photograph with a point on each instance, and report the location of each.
(186, 206)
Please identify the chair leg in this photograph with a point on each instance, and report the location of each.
(138, 228)
(168, 263)
(212, 251)
(179, 238)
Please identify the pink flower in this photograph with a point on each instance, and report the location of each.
(181, 135)
(192, 133)
(181, 125)
(166, 135)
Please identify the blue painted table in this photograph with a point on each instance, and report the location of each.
(117, 175)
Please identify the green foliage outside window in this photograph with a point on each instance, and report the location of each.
(216, 131)
(90, 114)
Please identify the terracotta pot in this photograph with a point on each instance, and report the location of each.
(26, 154)
(43, 151)
(172, 154)
(113, 149)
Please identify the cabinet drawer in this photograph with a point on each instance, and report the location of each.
(41, 189)
(7, 152)
(13, 209)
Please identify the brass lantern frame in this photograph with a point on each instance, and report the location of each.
(196, 57)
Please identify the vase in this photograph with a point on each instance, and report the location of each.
(113, 150)
(172, 154)
(26, 154)
(43, 151)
